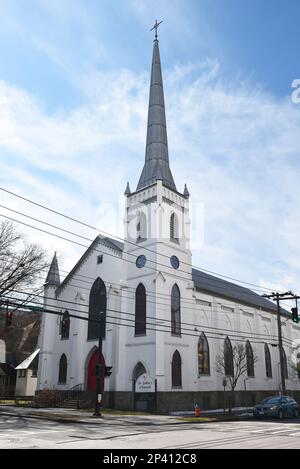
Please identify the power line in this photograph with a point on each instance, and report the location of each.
(109, 254)
(164, 305)
(131, 298)
(160, 294)
(147, 328)
(161, 319)
(203, 327)
(72, 233)
(149, 317)
(121, 239)
(91, 240)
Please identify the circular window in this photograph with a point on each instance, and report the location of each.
(174, 262)
(141, 261)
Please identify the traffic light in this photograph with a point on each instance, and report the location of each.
(108, 371)
(295, 317)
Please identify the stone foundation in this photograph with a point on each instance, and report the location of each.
(184, 401)
(166, 402)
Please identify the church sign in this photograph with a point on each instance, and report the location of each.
(145, 383)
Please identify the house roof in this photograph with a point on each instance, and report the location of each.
(28, 361)
(217, 286)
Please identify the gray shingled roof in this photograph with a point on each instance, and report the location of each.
(156, 165)
(232, 291)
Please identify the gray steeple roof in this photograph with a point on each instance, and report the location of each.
(156, 165)
(53, 273)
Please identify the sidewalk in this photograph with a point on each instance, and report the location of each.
(115, 417)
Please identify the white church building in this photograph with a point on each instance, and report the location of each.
(165, 322)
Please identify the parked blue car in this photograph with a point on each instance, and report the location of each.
(277, 407)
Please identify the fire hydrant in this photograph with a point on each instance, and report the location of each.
(197, 411)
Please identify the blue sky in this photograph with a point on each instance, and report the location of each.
(252, 39)
(74, 81)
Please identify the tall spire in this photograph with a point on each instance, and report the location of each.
(53, 278)
(156, 165)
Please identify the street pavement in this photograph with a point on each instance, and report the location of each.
(20, 430)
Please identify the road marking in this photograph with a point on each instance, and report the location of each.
(31, 432)
(270, 430)
(282, 431)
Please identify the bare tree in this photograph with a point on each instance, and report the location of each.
(236, 369)
(20, 262)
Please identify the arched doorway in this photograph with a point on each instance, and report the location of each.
(91, 371)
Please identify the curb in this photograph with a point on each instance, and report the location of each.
(178, 421)
(75, 419)
(44, 417)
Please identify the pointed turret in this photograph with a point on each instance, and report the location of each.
(157, 156)
(186, 192)
(127, 190)
(53, 278)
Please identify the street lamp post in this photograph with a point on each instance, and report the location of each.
(224, 387)
(99, 373)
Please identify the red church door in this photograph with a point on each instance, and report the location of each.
(91, 381)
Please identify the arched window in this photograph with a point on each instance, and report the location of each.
(203, 355)
(228, 358)
(176, 370)
(140, 310)
(63, 367)
(138, 371)
(250, 360)
(175, 311)
(174, 227)
(141, 227)
(97, 304)
(285, 367)
(268, 362)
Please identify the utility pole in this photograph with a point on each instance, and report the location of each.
(278, 297)
(282, 371)
(99, 373)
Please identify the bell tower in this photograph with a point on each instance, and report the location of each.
(157, 249)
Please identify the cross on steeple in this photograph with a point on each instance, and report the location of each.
(155, 27)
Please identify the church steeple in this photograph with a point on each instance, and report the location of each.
(156, 165)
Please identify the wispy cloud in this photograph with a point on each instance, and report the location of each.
(236, 147)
